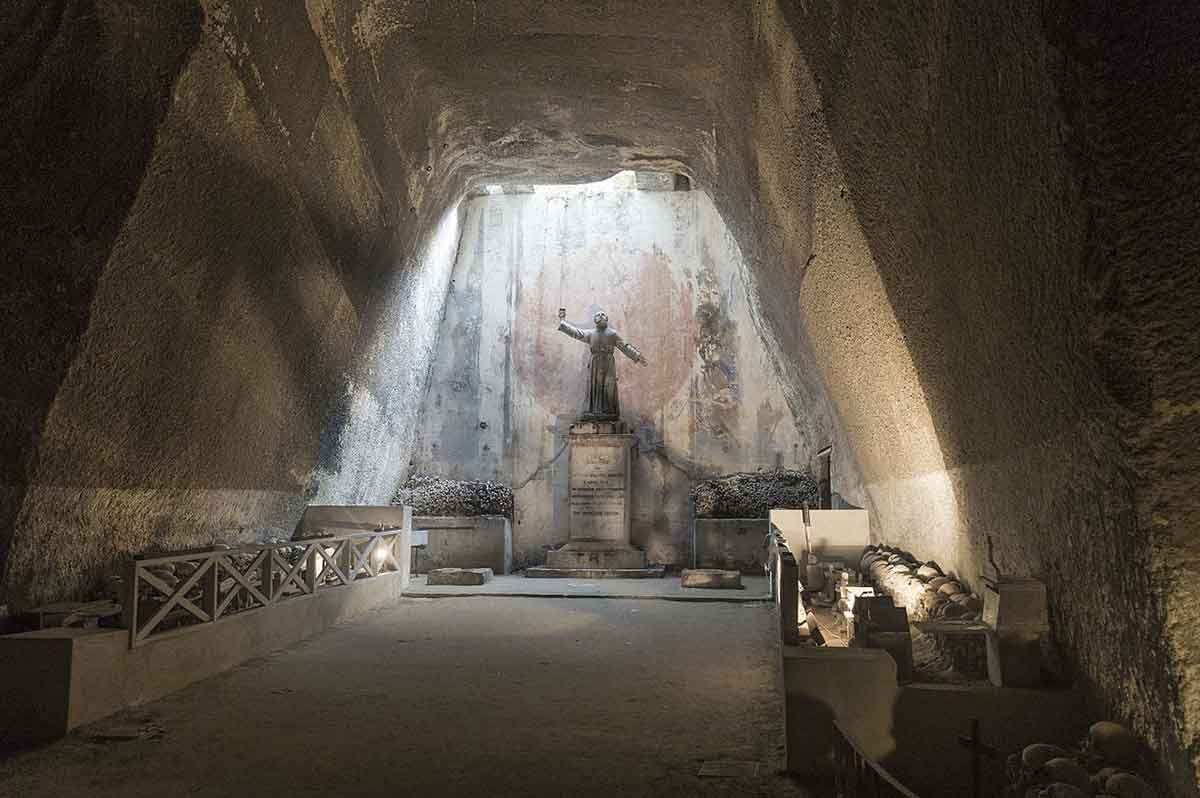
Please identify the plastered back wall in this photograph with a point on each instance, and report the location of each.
(506, 384)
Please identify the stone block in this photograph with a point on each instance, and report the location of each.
(459, 577)
(711, 578)
(483, 541)
(732, 544)
(319, 520)
(1017, 605)
(830, 534)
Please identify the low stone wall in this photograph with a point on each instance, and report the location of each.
(483, 541)
(54, 680)
(854, 686)
(732, 544)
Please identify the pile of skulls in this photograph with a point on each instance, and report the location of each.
(1104, 764)
(754, 494)
(919, 587)
(429, 495)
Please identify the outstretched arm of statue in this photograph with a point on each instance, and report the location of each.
(631, 352)
(568, 328)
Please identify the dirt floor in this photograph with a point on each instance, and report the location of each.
(456, 697)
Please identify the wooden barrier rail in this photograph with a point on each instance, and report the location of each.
(785, 585)
(169, 593)
(856, 774)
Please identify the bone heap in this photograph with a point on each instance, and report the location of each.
(429, 495)
(1105, 763)
(754, 494)
(920, 587)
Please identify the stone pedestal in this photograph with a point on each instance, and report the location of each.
(600, 458)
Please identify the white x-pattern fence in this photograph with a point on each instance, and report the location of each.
(170, 593)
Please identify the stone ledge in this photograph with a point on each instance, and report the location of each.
(711, 578)
(542, 572)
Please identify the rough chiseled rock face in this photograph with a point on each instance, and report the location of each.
(970, 233)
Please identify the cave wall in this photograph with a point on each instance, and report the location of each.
(71, 168)
(257, 331)
(506, 386)
(932, 216)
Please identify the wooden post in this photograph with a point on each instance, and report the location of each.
(267, 574)
(310, 568)
(978, 749)
(789, 598)
(129, 613)
(212, 588)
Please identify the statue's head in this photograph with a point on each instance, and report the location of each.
(601, 319)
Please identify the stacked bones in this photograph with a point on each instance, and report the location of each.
(1105, 763)
(920, 587)
(429, 495)
(754, 494)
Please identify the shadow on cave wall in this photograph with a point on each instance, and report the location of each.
(81, 97)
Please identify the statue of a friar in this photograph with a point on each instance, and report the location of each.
(603, 402)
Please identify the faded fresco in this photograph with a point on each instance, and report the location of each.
(506, 385)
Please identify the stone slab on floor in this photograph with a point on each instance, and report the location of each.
(546, 572)
(758, 589)
(711, 578)
(461, 577)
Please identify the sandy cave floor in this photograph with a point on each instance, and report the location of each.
(456, 697)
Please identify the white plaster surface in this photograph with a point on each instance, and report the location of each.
(505, 385)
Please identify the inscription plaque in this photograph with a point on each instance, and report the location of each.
(599, 489)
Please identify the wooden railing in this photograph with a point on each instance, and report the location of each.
(169, 593)
(785, 585)
(856, 775)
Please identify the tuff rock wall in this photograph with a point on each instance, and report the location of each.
(222, 284)
(991, 208)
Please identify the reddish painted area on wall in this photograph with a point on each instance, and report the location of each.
(507, 384)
